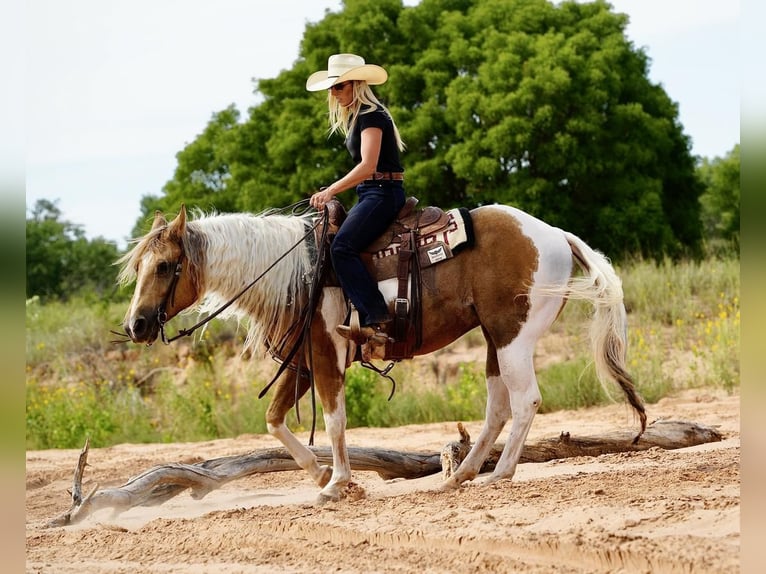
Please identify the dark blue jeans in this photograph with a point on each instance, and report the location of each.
(375, 210)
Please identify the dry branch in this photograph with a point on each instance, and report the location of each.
(163, 482)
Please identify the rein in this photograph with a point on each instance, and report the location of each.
(162, 314)
(296, 355)
(314, 292)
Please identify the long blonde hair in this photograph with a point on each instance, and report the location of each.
(342, 119)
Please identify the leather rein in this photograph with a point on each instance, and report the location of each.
(162, 316)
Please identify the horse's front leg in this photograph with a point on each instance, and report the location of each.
(330, 359)
(328, 363)
(332, 394)
(283, 400)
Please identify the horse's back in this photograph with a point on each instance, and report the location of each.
(520, 243)
(489, 283)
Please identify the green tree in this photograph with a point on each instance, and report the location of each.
(540, 105)
(720, 200)
(60, 261)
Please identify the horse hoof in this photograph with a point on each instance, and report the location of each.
(323, 499)
(493, 479)
(351, 492)
(449, 485)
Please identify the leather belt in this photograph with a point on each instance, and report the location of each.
(389, 175)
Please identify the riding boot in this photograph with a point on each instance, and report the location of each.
(375, 334)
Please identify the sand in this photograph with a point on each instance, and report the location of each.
(653, 511)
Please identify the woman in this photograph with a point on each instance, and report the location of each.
(373, 141)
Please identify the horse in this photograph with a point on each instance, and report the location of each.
(512, 283)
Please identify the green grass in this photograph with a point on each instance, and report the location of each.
(368, 404)
(683, 333)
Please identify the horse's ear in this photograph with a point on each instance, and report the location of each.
(159, 220)
(177, 227)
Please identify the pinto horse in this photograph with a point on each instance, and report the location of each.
(513, 283)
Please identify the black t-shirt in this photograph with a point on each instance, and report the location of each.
(388, 160)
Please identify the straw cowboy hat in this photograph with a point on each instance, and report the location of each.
(344, 67)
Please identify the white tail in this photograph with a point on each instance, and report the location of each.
(601, 286)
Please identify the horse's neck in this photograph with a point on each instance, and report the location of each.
(239, 249)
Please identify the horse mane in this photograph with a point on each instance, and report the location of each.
(228, 251)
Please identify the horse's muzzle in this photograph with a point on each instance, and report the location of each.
(142, 328)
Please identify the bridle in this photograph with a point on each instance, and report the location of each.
(314, 290)
(162, 317)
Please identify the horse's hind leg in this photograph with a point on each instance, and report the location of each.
(498, 410)
(516, 364)
(511, 388)
(281, 403)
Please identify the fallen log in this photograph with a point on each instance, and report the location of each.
(663, 434)
(161, 483)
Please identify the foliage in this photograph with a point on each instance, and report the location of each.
(720, 201)
(64, 416)
(61, 262)
(683, 318)
(691, 308)
(571, 385)
(543, 105)
(368, 403)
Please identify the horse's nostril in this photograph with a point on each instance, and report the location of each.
(138, 329)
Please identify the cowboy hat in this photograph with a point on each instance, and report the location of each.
(344, 67)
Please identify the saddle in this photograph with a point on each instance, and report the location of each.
(417, 239)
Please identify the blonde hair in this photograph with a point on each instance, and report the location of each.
(342, 119)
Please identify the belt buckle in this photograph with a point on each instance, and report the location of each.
(402, 305)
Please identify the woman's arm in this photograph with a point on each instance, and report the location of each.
(371, 139)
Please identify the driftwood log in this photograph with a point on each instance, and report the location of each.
(160, 483)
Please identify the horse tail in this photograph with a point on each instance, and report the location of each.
(601, 286)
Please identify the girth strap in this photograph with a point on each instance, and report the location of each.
(401, 305)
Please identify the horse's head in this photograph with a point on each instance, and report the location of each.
(165, 284)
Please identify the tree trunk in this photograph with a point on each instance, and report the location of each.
(163, 482)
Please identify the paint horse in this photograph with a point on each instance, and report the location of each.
(512, 283)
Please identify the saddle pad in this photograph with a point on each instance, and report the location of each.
(438, 246)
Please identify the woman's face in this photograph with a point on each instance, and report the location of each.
(343, 92)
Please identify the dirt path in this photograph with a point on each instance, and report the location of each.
(655, 511)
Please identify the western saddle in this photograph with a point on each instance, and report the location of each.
(402, 238)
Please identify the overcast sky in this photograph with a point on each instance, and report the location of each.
(116, 88)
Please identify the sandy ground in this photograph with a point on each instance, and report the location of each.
(654, 511)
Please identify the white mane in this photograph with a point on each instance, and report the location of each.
(239, 248)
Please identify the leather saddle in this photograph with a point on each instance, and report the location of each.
(397, 253)
(421, 222)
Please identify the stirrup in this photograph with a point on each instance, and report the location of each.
(373, 334)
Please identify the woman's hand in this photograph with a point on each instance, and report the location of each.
(321, 197)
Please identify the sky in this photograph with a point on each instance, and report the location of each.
(115, 89)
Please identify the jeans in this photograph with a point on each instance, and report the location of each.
(376, 209)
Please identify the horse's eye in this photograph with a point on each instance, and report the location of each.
(163, 268)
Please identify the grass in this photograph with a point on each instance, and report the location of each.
(683, 333)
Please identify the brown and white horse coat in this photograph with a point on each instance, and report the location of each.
(512, 283)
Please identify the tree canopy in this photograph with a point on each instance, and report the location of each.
(61, 262)
(544, 106)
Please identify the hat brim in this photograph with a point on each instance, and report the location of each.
(370, 73)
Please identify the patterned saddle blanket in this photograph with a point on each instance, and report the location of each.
(438, 235)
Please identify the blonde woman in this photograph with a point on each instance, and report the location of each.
(373, 141)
